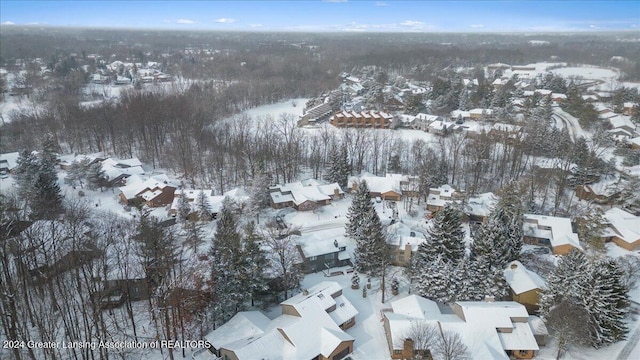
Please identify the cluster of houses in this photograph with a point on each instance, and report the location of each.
(125, 73)
(313, 325)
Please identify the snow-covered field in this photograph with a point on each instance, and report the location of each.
(587, 72)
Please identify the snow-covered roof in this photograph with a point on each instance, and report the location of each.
(460, 113)
(619, 121)
(251, 335)
(558, 230)
(301, 191)
(440, 196)
(479, 111)
(623, 225)
(486, 328)
(378, 184)
(10, 159)
(521, 279)
(634, 141)
(244, 324)
(313, 245)
(417, 307)
(136, 186)
(481, 204)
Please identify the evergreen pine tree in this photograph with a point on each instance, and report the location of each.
(509, 212)
(203, 207)
(259, 191)
(77, 172)
(25, 175)
(446, 236)
(357, 212)
(227, 274)
(184, 207)
(47, 200)
(607, 304)
(490, 244)
(437, 282)
(339, 168)
(371, 252)
(255, 263)
(96, 177)
(156, 249)
(597, 287)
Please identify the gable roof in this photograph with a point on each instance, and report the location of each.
(558, 230)
(251, 335)
(521, 279)
(10, 159)
(623, 225)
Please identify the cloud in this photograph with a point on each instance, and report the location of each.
(412, 23)
(477, 26)
(225, 21)
(186, 21)
(255, 25)
(335, 1)
(593, 27)
(8, 23)
(381, 3)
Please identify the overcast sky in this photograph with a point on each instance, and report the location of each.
(330, 15)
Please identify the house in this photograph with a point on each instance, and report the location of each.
(622, 127)
(116, 171)
(602, 192)
(460, 115)
(304, 195)
(525, 285)
(8, 162)
(622, 228)
(480, 114)
(403, 243)
(440, 127)
(153, 192)
(441, 196)
(316, 114)
(422, 121)
(214, 202)
(121, 275)
(386, 188)
(627, 108)
(479, 207)
(363, 119)
(492, 330)
(312, 326)
(320, 254)
(634, 143)
(48, 247)
(555, 232)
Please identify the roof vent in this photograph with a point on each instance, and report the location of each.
(514, 265)
(335, 243)
(305, 292)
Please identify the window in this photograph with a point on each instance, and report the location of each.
(313, 258)
(397, 352)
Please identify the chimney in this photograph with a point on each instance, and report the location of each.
(305, 292)
(336, 191)
(489, 298)
(513, 265)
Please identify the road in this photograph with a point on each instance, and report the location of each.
(572, 124)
